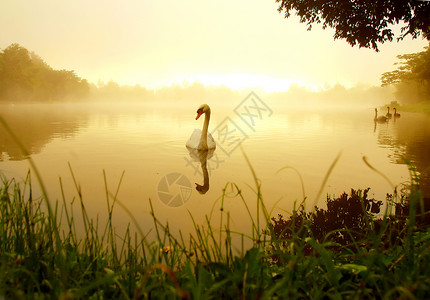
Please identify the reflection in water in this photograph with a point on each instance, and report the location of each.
(147, 142)
(409, 137)
(35, 126)
(202, 156)
(201, 146)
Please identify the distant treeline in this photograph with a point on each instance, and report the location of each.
(185, 92)
(24, 76)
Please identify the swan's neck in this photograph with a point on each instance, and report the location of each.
(204, 138)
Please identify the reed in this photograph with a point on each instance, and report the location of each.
(384, 257)
(365, 254)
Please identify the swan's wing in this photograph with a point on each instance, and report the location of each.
(211, 142)
(194, 139)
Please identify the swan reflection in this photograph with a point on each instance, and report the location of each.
(202, 156)
(201, 146)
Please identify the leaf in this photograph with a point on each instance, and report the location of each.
(354, 268)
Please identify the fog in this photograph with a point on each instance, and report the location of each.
(296, 97)
(25, 77)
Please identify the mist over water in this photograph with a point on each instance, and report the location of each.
(145, 142)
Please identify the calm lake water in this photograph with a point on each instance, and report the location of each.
(146, 143)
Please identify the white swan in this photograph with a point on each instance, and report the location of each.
(381, 119)
(396, 115)
(388, 115)
(200, 139)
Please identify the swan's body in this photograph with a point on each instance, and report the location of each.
(380, 119)
(388, 115)
(201, 139)
(195, 141)
(396, 115)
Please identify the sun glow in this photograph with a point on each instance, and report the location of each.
(156, 44)
(242, 81)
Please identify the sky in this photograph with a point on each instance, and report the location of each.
(237, 43)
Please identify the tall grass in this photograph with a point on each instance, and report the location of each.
(387, 259)
(42, 255)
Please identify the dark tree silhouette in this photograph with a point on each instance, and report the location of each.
(363, 22)
(413, 72)
(24, 76)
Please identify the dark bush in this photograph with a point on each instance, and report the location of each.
(347, 222)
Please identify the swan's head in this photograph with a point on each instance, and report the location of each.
(203, 109)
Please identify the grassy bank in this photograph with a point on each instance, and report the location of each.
(365, 254)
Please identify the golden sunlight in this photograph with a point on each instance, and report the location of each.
(241, 81)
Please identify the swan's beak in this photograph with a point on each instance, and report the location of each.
(199, 113)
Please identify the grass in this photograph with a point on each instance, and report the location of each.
(350, 250)
(300, 257)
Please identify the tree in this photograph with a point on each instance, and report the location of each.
(363, 22)
(16, 71)
(413, 73)
(415, 66)
(24, 76)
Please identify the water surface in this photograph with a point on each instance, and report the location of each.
(143, 145)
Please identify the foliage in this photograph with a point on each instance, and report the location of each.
(24, 76)
(363, 23)
(413, 72)
(101, 264)
(345, 220)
